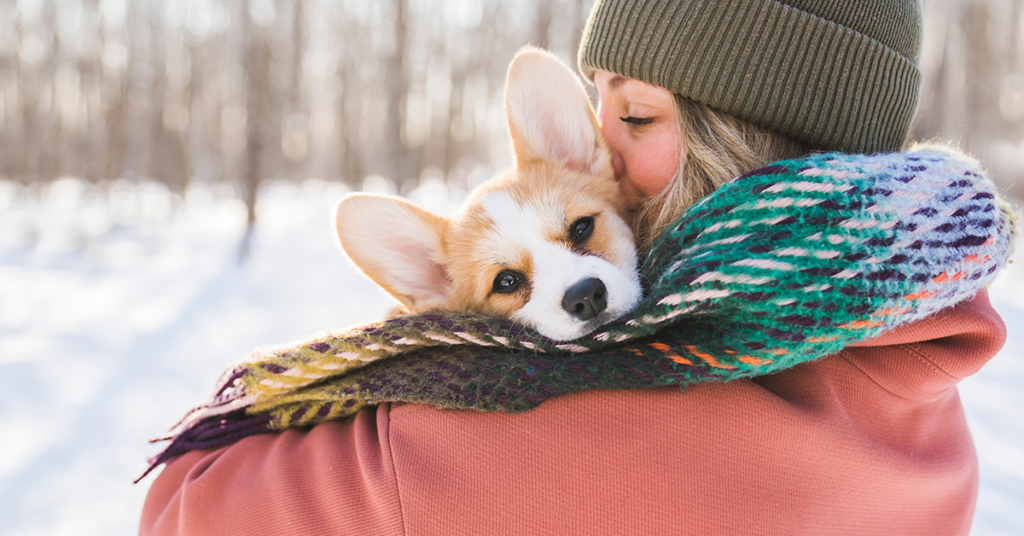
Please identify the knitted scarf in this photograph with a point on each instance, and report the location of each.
(781, 266)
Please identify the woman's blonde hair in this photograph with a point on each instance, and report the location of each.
(716, 147)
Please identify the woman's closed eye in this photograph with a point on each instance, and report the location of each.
(637, 121)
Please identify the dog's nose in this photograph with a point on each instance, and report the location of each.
(586, 299)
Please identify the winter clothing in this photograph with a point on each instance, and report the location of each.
(742, 286)
(835, 74)
(869, 441)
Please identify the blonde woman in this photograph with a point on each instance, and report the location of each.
(871, 440)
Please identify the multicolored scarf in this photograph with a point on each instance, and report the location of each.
(781, 266)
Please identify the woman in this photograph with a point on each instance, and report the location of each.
(868, 441)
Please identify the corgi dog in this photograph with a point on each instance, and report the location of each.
(545, 243)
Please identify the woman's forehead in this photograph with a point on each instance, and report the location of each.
(607, 81)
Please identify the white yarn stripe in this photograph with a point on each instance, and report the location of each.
(326, 366)
(671, 314)
(473, 339)
(859, 224)
(846, 274)
(672, 299)
(806, 186)
(574, 348)
(727, 225)
(373, 347)
(768, 221)
(830, 172)
(839, 239)
(442, 338)
(701, 295)
(315, 376)
(808, 202)
(742, 279)
(781, 202)
(766, 264)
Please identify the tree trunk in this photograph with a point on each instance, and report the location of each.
(257, 131)
(542, 26)
(396, 83)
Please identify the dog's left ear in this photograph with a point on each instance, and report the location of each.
(398, 245)
(549, 115)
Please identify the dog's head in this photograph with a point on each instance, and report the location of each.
(544, 244)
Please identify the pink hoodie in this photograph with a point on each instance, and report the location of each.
(869, 441)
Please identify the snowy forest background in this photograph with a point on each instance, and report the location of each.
(168, 169)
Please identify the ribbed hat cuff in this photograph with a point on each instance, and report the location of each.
(768, 63)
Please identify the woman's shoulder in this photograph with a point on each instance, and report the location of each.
(929, 356)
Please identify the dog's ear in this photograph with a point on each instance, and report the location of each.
(398, 245)
(549, 115)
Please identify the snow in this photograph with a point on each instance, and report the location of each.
(120, 305)
(994, 402)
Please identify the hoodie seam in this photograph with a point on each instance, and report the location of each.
(394, 471)
(931, 364)
(908, 349)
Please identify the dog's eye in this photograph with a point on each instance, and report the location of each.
(581, 229)
(507, 282)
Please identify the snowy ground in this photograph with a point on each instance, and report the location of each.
(119, 310)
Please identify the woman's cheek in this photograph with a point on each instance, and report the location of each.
(653, 174)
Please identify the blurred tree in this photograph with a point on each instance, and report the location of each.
(973, 90)
(258, 99)
(397, 87)
(253, 90)
(349, 100)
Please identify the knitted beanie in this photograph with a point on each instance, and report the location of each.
(838, 75)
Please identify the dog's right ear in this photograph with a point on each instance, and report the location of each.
(549, 115)
(398, 245)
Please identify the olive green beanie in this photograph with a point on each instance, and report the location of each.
(838, 75)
